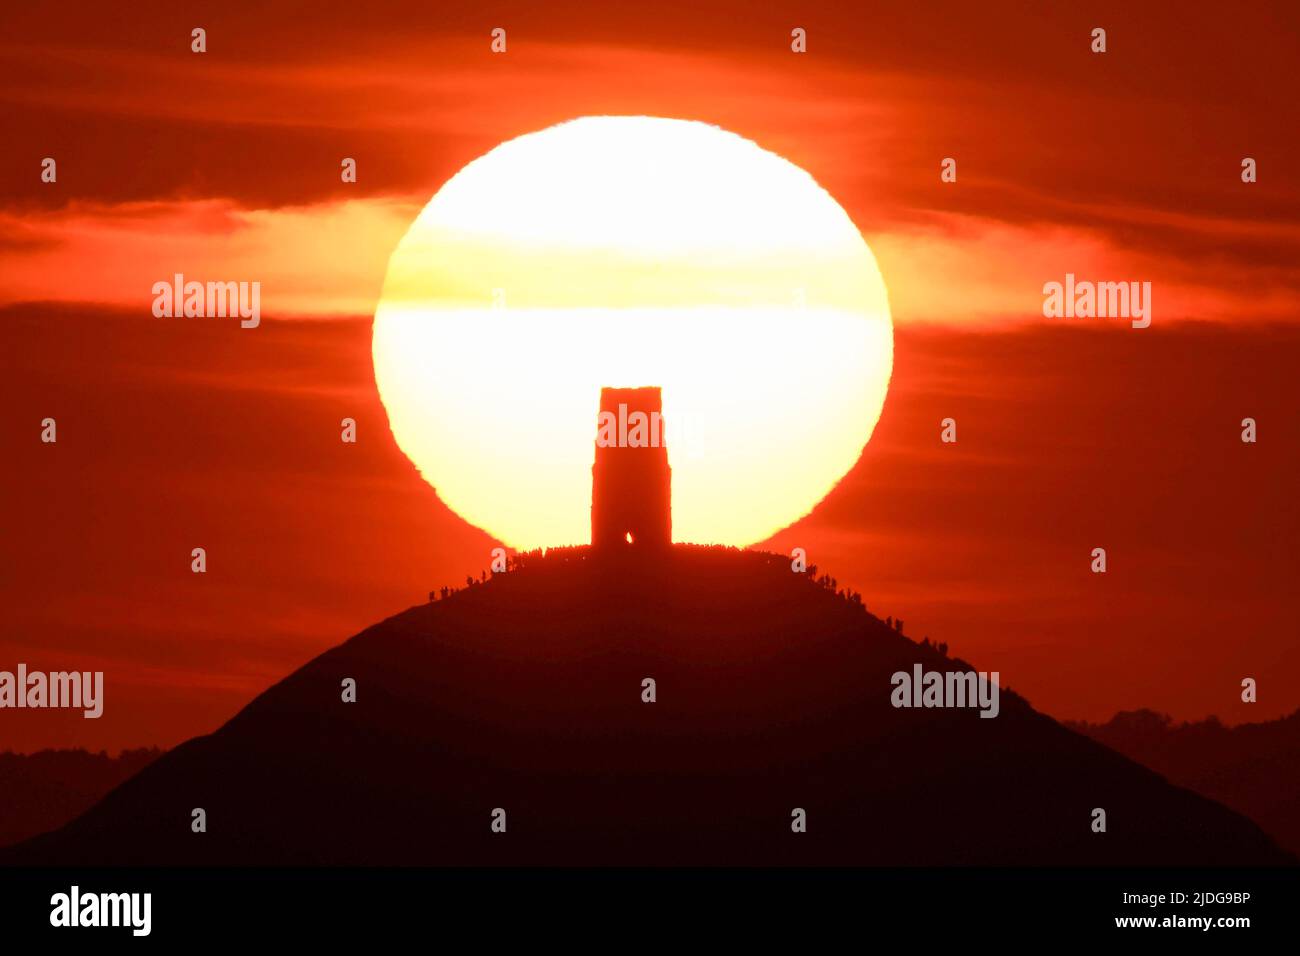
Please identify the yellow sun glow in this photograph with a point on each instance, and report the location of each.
(627, 251)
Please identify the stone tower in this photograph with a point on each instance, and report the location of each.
(631, 483)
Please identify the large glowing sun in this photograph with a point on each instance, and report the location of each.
(628, 251)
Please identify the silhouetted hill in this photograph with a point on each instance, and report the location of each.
(524, 693)
(44, 790)
(1252, 768)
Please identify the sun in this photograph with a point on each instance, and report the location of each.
(632, 251)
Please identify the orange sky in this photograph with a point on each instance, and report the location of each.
(225, 165)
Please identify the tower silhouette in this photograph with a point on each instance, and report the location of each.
(631, 483)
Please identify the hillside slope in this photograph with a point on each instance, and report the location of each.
(525, 693)
(1252, 768)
